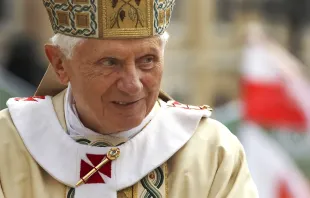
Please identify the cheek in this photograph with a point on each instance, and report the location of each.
(100, 89)
(99, 86)
(90, 86)
(76, 75)
(152, 79)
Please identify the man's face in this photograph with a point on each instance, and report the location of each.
(115, 83)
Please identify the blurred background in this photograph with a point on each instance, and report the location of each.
(248, 59)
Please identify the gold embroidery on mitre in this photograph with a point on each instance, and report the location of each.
(127, 18)
(168, 14)
(60, 1)
(82, 20)
(162, 12)
(63, 18)
(73, 17)
(161, 18)
(109, 18)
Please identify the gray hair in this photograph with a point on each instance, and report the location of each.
(68, 43)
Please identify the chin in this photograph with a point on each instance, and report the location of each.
(129, 123)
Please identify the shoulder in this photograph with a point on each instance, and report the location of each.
(8, 132)
(5, 121)
(216, 132)
(213, 135)
(12, 149)
(209, 132)
(213, 146)
(224, 155)
(18, 106)
(210, 136)
(214, 142)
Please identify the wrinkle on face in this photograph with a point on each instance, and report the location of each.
(96, 86)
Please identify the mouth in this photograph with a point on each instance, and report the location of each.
(125, 103)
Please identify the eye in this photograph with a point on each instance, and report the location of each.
(108, 62)
(147, 62)
(148, 59)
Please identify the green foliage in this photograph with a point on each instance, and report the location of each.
(4, 96)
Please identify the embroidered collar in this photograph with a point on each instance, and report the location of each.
(59, 155)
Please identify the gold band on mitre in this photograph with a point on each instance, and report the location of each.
(104, 19)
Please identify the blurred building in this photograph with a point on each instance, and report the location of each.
(203, 56)
(24, 17)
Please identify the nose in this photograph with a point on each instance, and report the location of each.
(130, 82)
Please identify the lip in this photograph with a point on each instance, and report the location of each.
(130, 104)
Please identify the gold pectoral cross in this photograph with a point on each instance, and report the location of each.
(113, 154)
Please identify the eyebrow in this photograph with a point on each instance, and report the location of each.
(154, 50)
(147, 50)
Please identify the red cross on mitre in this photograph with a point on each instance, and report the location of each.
(33, 99)
(96, 177)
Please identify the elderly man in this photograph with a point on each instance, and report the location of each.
(99, 126)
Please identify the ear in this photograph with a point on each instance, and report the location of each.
(56, 58)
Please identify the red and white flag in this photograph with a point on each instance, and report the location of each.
(274, 172)
(275, 92)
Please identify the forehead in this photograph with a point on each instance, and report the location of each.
(119, 45)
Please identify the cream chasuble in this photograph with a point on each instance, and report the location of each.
(199, 156)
